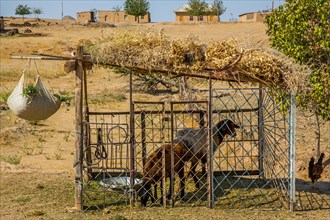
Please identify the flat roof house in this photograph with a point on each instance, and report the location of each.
(253, 16)
(120, 16)
(181, 15)
(86, 16)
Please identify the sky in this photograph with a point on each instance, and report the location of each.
(160, 10)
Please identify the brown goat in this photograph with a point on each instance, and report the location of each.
(153, 171)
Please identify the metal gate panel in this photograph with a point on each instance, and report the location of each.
(154, 127)
(189, 126)
(253, 167)
(105, 165)
(149, 139)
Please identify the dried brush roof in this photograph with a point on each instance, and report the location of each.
(224, 60)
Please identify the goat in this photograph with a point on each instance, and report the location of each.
(153, 172)
(189, 145)
(194, 140)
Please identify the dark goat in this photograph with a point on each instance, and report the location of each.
(153, 171)
(195, 141)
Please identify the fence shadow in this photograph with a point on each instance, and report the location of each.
(308, 198)
(232, 190)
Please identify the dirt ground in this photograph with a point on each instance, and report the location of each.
(36, 160)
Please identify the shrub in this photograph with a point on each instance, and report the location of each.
(30, 90)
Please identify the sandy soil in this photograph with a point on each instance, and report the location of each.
(36, 160)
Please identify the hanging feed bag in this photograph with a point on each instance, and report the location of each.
(34, 104)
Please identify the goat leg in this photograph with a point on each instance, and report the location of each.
(193, 173)
(161, 192)
(153, 197)
(169, 195)
(182, 182)
(204, 161)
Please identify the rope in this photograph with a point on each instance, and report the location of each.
(27, 65)
(35, 64)
(27, 69)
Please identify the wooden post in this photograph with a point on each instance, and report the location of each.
(86, 142)
(86, 109)
(79, 131)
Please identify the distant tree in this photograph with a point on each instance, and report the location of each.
(37, 12)
(218, 8)
(136, 8)
(23, 10)
(300, 29)
(116, 9)
(197, 7)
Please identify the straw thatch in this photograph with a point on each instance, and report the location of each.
(224, 60)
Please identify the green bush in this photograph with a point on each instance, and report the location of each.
(30, 90)
(64, 96)
(4, 97)
(13, 160)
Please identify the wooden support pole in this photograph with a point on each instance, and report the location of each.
(86, 110)
(79, 130)
(86, 141)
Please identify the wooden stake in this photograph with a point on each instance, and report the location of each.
(79, 131)
(86, 141)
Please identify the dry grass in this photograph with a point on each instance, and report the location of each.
(50, 195)
(189, 56)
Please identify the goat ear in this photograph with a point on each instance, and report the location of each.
(235, 125)
(219, 125)
(232, 124)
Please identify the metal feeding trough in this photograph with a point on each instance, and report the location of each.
(120, 183)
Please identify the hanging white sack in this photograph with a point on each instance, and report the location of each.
(33, 107)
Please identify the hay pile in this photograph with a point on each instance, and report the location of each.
(225, 60)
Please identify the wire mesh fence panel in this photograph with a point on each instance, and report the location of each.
(310, 199)
(105, 165)
(154, 127)
(189, 152)
(251, 168)
(149, 151)
(232, 151)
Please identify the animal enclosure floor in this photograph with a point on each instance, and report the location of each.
(50, 195)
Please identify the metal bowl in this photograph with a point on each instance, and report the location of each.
(120, 183)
